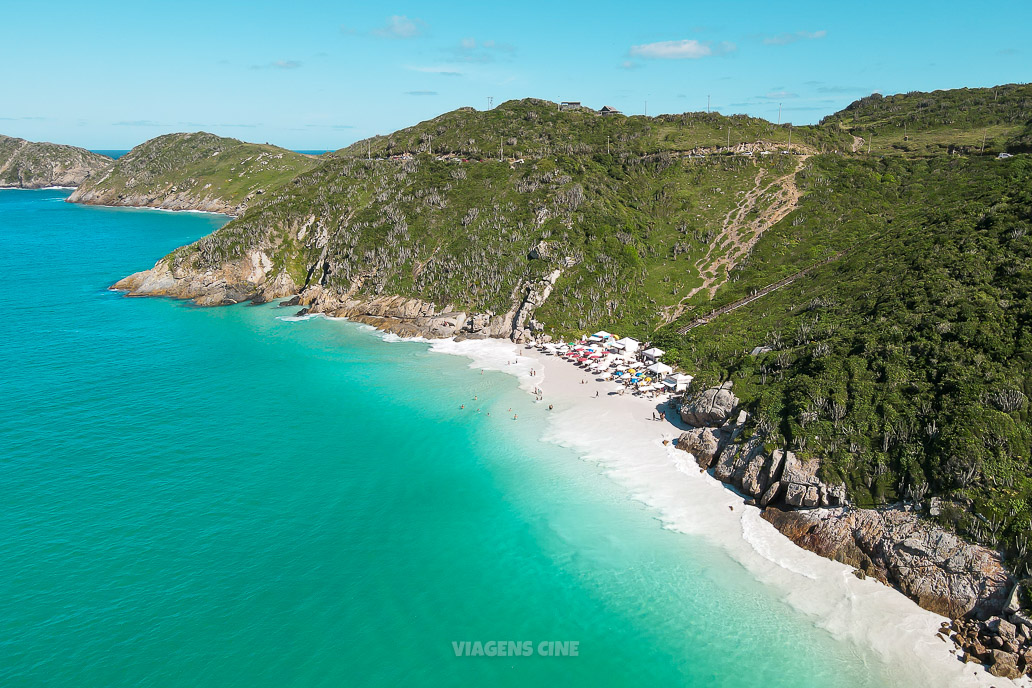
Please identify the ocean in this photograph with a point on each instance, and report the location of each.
(237, 497)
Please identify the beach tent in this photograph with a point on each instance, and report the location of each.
(653, 354)
(628, 345)
(660, 369)
(678, 382)
(601, 336)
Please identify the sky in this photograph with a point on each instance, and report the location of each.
(321, 75)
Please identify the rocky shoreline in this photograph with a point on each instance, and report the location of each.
(253, 279)
(966, 582)
(168, 199)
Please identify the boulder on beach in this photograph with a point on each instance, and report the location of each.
(702, 443)
(711, 407)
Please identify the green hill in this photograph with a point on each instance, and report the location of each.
(532, 128)
(197, 171)
(940, 122)
(28, 165)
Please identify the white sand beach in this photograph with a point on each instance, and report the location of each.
(617, 432)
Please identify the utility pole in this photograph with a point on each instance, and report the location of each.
(904, 131)
(870, 143)
(729, 136)
(607, 145)
(646, 107)
(984, 132)
(779, 114)
(789, 138)
(368, 151)
(707, 104)
(430, 144)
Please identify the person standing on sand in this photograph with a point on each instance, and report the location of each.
(596, 394)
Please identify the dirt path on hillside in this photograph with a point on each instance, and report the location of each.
(742, 228)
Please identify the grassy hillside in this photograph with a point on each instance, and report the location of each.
(940, 122)
(197, 170)
(26, 164)
(463, 233)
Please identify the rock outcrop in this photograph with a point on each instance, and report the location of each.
(702, 443)
(254, 279)
(711, 407)
(28, 165)
(935, 568)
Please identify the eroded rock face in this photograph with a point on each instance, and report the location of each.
(702, 443)
(711, 407)
(935, 568)
(246, 279)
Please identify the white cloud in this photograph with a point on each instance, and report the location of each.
(687, 49)
(439, 71)
(786, 38)
(400, 26)
(278, 64)
(470, 50)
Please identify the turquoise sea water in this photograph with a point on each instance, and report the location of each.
(218, 497)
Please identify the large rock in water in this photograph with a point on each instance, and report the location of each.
(711, 407)
(702, 443)
(933, 567)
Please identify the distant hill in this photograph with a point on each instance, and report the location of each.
(532, 128)
(953, 121)
(198, 171)
(29, 165)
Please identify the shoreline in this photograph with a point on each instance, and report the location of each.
(37, 188)
(617, 433)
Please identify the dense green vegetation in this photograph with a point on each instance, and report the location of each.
(462, 234)
(905, 364)
(198, 165)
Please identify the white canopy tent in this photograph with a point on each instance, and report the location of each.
(660, 369)
(678, 382)
(627, 345)
(653, 354)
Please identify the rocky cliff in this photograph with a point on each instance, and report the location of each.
(253, 279)
(943, 573)
(198, 171)
(29, 165)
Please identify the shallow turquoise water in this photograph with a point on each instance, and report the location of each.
(218, 497)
